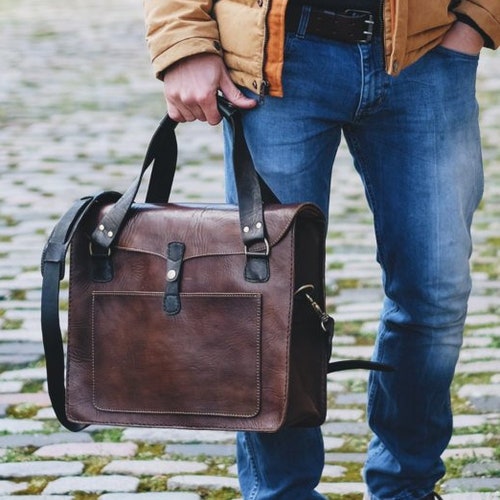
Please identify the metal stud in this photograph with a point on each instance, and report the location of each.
(171, 274)
(101, 227)
(246, 229)
(110, 234)
(258, 225)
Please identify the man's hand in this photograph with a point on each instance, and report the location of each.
(463, 38)
(191, 86)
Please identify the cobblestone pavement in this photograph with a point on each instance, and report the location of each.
(78, 103)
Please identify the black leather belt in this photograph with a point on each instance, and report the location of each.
(350, 25)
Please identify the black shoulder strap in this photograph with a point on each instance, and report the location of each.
(53, 264)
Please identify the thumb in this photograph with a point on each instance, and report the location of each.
(234, 95)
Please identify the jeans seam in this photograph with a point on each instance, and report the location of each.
(251, 454)
(358, 155)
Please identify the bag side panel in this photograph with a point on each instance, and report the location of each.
(310, 347)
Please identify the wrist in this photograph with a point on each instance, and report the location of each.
(463, 38)
(463, 18)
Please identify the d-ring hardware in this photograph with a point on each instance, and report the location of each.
(323, 316)
(91, 251)
(265, 253)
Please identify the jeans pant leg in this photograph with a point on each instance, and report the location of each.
(287, 464)
(416, 145)
(282, 465)
(293, 142)
(418, 152)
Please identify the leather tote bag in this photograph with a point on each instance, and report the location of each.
(189, 315)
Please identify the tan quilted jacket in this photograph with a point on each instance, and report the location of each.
(249, 34)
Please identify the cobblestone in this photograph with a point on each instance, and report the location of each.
(194, 450)
(16, 425)
(206, 482)
(177, 436)
(344, 488)
(39, 399)
(94, 449)
(37, 497)
(476, 452)
(6, 387)
(50, 468)
(153, 467)
(78, 103)
(8, 487)
(472, 484)
(17, 440)
(94, 484)
(150, 496)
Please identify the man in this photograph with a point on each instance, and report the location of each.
(397, 78)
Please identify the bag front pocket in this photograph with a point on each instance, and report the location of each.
(206, 360)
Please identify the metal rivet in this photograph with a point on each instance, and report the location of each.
(258, 225)
(101, 227)
(246, 229)
(110, 234)
(171, 274)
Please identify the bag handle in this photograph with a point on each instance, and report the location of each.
(162, 151)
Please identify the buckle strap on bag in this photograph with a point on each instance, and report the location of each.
(172, 298)
(250, 199)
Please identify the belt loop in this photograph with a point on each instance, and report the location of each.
(304, 20)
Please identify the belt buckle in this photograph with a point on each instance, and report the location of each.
(368, 33)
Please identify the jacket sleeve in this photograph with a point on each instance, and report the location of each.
(176, 29)
(485, 16)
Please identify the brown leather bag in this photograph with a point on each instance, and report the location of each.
(189, 316)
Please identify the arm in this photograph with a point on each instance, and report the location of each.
(183, 40)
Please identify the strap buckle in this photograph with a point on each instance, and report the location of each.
(94, 253)
(264, 253)
(369, 21)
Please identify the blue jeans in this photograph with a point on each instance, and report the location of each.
(415, 143)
